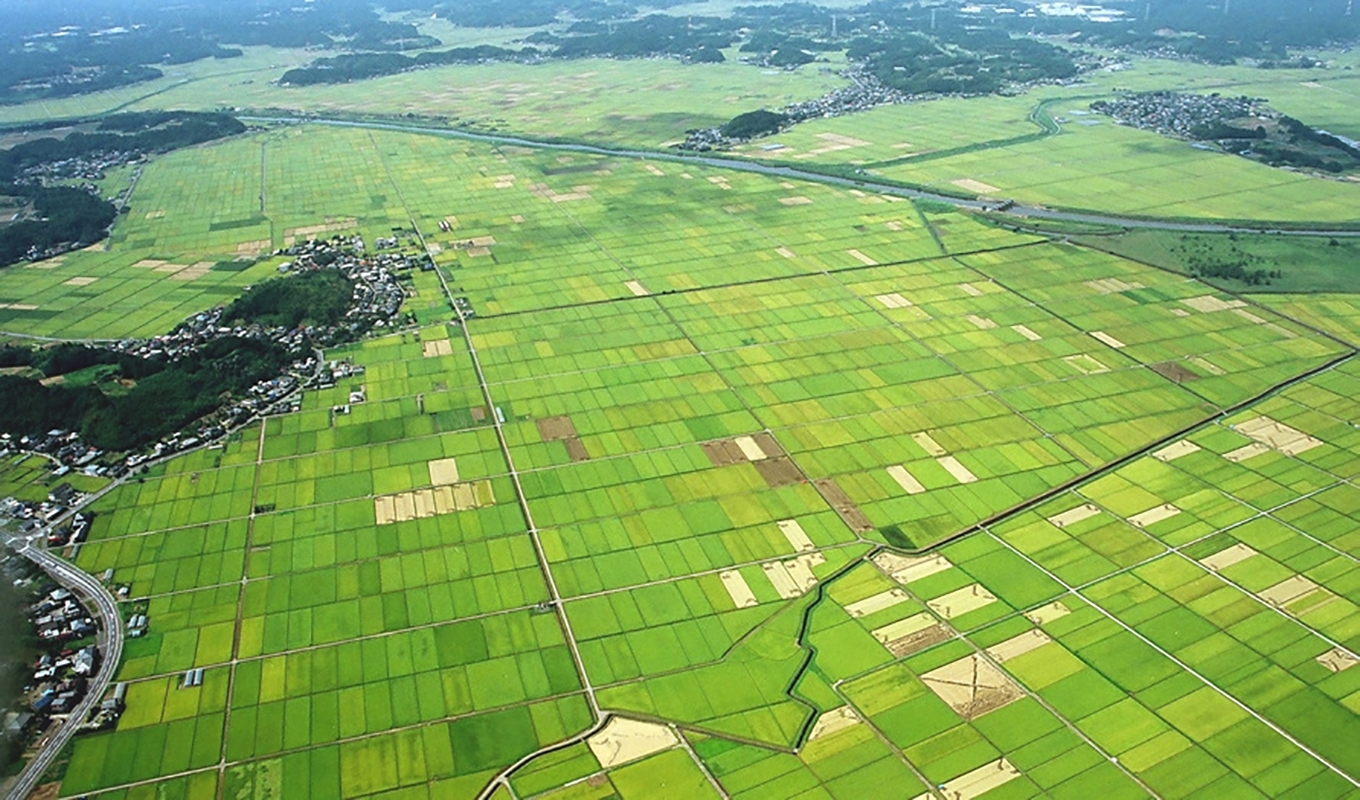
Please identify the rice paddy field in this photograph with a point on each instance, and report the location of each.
(678, 511)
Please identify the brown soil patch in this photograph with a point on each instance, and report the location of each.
(48, 791)
(972, 686)
(478, 413)
(723, 452)
(1174, 371)
(768, 444)
(576, 449)
(844, 507)
(779, 471)
(555, 428)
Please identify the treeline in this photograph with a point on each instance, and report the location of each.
(60, 215)
(1263, 30)
(63, 215)
(754, 124)
(315, 297)
(145, 132)
(974, 62)
(358, 66)
(94, 56)
(699, 38)
(166, 396)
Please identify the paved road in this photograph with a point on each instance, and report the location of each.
(110, 641)
(1019, 212)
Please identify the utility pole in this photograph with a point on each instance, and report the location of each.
(932, 18)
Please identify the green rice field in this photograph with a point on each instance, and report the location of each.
(732, 487)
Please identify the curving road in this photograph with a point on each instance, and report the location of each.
(109, 639)
(865, 183)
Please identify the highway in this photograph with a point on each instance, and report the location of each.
(104, 606)
(1018, 212)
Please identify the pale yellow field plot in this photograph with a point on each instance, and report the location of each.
(1045, 614)
(1154, 515)
(424, 502)
(1176, 450)
(1337, 660)
(981, 780)
(436, 348)
(893, 225)
(799, 571)
(655, 171)
(961, 601)
(981, 323)
(155, 214)
(452, 221)
(625, 740)
(798, 200)
(798, 538)
(781, 579)
(193, 271)
(972, 686)
(786, 252)
(1107, 339)
(19, 306)
(956, 468)
(637, 288)
(444, 499)
(970, 290)
(738, 589)
(978, 187)
(876, 602)
(1019, 645)
(893, 300)
(1277, 435)
(1208, 303)
(331, 225)
(834, 721)
(405, 506)
(1113, 285)
(478, 252)
(862, 258)
(1287, 591)
(79, 281)
(1227, 557)
(905, 569)
(1073, 516)
(903, 628)
(904, 479)
(750, 448)
(443, 471)
(1248, 316)
(928, 444)
(169, 268)
(1281, 331)
(1026, 332)
(254, 248)
(1246, 451)
(149, 263)
(1084, 363)
(384, 508)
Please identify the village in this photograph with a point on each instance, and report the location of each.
(1180, 114)
(64, 660)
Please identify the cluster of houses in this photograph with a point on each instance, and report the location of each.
(376, 303)
(32, 515)
(864, 92)
(88, 167)
(60, 677)
(1178, 114)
